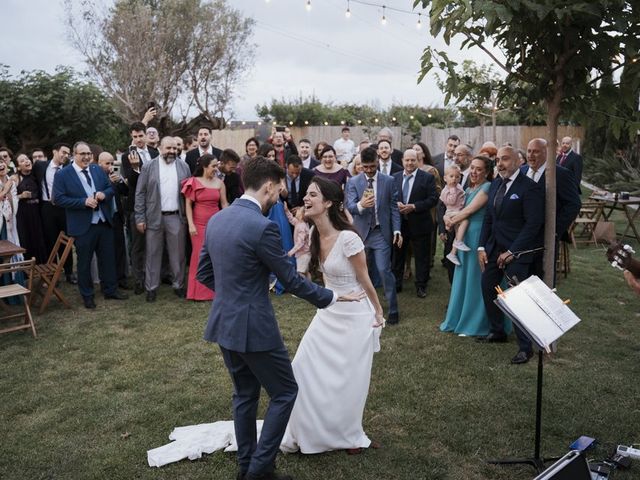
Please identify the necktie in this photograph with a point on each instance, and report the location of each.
(563, 159)
(372, 224)
(532, 174)
(500, 195)
(86, 175)
(55, 170)
(384, 168)
(405, 189)
(293, 194)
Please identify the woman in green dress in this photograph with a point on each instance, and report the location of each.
(466, 314)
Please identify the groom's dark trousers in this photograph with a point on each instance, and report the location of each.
(241, 248)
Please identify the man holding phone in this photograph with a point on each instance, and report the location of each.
(132, 162)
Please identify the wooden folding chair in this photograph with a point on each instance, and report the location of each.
(16, 289)
(584, 226)
(49, 273)
(563, 263)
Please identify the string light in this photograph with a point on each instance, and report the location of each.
(259, 123)
(411, 117)
(375, 120)
(308, 5)
(348, 12)
(306, 122)
(384, 17)
(275, 123)
(290, 123)
(419, 24)
(326, 123)
(359, 122)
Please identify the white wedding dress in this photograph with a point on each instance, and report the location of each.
(333, 363)
(332, 368)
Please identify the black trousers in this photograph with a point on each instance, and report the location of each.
(120, 247)
(54, 221)
(421, 246)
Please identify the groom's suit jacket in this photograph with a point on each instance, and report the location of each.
(240, 249)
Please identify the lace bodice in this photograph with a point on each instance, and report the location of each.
(337, 270)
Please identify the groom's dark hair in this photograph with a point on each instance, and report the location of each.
(260, 170)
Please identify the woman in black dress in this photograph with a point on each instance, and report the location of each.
(28, 216)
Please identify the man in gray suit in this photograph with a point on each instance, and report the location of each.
(241, 248)
(372, 200)
(159, 213)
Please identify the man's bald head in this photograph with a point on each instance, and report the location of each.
(536, 153)
(105, 160)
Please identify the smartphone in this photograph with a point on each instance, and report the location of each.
(133, 148)
(280, 129)
(151, 105)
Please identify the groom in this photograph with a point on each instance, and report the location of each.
(241, 248)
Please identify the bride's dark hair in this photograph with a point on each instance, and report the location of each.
(331, 191)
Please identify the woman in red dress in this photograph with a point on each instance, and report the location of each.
(204, 194)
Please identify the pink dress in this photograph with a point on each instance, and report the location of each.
(205, 205)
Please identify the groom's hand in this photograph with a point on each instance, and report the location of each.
(352, 297)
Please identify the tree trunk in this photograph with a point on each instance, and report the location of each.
(553, 114)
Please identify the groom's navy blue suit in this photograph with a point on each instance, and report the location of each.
(240, 249)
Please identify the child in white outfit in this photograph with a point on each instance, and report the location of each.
(301, 241)
(453, 198)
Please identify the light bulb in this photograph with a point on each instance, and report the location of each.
(347, 13)
(419, 24)
(384, 17)
(308, 6)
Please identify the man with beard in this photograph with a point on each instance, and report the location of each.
(204, 146)
(160, 215)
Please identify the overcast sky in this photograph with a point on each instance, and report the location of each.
(298, 52)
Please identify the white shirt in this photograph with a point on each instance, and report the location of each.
(345, 149)
(512, 177)
(52, 168)
(168, 185)
(448, 162)
(382, 164)
(535, 176)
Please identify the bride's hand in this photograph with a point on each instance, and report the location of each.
(352, 297)
(380, 321)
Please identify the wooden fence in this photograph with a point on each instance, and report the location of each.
(435, 138)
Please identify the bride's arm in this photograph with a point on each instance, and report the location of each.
(359, 264)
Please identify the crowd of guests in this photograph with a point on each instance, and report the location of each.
(143, 215)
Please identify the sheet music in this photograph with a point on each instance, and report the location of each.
(538, 311)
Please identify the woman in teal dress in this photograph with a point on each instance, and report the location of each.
(466, 314)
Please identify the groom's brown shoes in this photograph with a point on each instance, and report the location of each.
(355, 451)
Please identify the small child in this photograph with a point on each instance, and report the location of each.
(453, 198)
(301, 242)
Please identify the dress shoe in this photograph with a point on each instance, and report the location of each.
(393, 319)
(72, 278)
(116, 296)
(124, 285)
(151, 296)
(521, 357)
(421, 292)
(138, 289)
(88, 302)
(356, 451)
(493, 338)
(267, 476)
(180, 292)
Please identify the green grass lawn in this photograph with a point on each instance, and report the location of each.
(97, 389)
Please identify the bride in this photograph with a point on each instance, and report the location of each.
(333, 363)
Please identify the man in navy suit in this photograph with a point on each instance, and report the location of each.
(570, 160)
(372, 200)
(86, 194)
(567, 196)
(419, 196)
(242, 247)
(204, 146)
(512, 223)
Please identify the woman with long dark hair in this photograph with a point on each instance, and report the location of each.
(333, 363)
(466, 314)
(204, 193)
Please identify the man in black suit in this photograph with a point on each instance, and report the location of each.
(419, 195)
(385, 133)
(204, 146)
(229, 161)
(54, 219)
(462, 158)
(446, 159)
(386, 164)
(120, 189)
(512, 223)
(139, 145)
(567, 196)
(298, 179)
(306, 156)
(139, 154)
(570, 160)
